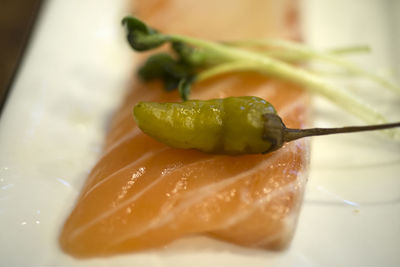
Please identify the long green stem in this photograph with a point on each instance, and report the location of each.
(304, 52)
(350, 50)
(223, 68)
(294, 56)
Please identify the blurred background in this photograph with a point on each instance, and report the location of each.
(17, 18)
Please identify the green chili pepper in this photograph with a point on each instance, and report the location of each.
(234, 125)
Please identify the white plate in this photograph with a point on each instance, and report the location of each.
(73, 77)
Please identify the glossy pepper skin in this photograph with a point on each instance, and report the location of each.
(231, 125)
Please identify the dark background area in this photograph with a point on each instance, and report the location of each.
(17, 19)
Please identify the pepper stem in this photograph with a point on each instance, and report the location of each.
(293, 134)
(277, 134)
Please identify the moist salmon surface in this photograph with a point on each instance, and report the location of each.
(142, 194)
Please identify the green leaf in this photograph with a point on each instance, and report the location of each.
(164, 67)
(184, 87)
(140, 36)
(154, 67)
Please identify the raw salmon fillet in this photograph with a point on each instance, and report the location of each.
(142, 194)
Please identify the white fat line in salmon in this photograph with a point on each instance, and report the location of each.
(142, 158)
(130, 135)
(291, 217)
(289, 220)
(256, 205)
(200, 194)
(136, 196)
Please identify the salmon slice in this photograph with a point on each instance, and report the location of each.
(142, 194)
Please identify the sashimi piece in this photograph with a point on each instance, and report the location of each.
(142, 194)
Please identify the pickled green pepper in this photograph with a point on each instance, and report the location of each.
(232, 125)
